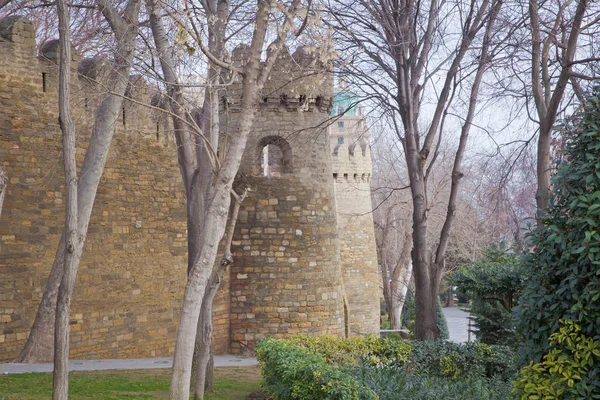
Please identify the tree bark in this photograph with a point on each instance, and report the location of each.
(204, 335)
(399, 291)
(214, 229)
(39, 345)
(60, 382)
(218, 196)
(3, 185)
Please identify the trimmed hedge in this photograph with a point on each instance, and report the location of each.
(347, 369)
(291, 371)
(393, 383)
(457, 360)
(349, 351)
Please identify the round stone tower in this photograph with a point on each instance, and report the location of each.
(286, 277)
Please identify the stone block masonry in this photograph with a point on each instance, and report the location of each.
(351, 167)
(288, 276)
(132, 273)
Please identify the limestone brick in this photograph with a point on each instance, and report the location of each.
(300, 264)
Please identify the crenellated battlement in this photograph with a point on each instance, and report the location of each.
(21, 70)
(350, 150)
(20, 32)
(298, 82)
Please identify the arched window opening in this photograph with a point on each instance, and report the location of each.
(274, 156)
(271, 161)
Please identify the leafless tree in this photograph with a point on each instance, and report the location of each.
(208, 179)
(504, 194)
(90, 32)
(391, 216)
(401, 58)
(554, 45)
(39, 345)
(73, 240)
(393, 213)
(551, 60)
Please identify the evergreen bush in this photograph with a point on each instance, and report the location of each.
(368, 368)
(442, 324)
(563, 269)
(493, 283)
(392, 383)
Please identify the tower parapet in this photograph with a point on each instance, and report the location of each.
(297, 81)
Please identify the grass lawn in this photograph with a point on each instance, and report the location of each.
(234, 383)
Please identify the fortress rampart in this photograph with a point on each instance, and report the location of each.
(291, 272)
(133, 269)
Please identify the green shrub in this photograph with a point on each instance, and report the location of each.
(393, 383)
(349, 351)
(291, 371)
(330, 368)
(562, 269)
(569, 369)
(442, 324)
(493, 283)
(493, 323)
(456, 360)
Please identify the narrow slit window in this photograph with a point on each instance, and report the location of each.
(44, 82)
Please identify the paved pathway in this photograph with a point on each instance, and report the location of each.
(132, 363)
(457, 324)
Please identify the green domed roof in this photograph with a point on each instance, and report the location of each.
(344, 103)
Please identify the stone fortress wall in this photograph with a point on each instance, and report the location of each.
(294, 270)
(132, 273)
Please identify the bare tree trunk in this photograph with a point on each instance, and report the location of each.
(3, 184)
(450, 302)
(214, 229)
(39, 345)
(543, 166)
(204, 335)
(399, 292)
(198, 277)
(425, 288)
(204, 342)
(387, 286)
(60, 383)
(197, 191)
(216, 11)
(394, 315)
(217, 194)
